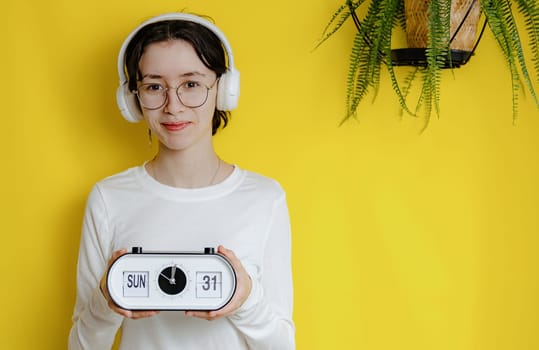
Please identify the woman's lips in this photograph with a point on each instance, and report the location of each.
(175, 126)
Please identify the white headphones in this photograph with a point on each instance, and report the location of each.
(228, 86)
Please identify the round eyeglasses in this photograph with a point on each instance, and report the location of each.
(192, 94)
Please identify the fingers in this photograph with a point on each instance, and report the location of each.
(206, 315)
(234, 261)
(135, 315)
(103, 282)
(116, 255)
(142, 314)
(243, 289)
(228, 310)
(103, 286)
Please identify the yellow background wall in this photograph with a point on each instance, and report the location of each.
(401, 240)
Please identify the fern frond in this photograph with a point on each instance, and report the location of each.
(394, 14)
(436, 53)
(334, 25)
(360, 72)
(407, 85)
(519, 51)
(530, 11)
(401, 94)
(338, 19)
(401, 15)
(371, 52)
(498, 13)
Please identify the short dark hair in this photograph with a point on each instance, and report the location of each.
(207, 45)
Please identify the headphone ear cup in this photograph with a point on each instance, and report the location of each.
(228, 90)
(128, 105)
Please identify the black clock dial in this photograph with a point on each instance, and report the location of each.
(172, 280)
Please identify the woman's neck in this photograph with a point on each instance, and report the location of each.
(185, 169)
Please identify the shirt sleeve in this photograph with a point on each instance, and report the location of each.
(265, 318)
(94, 323)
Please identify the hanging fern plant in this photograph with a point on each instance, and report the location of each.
(440, 45)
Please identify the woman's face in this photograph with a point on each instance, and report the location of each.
(170, 64)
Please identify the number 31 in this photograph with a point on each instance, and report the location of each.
(208, 280)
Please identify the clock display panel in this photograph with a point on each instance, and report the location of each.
(136, 284)
(209, 285)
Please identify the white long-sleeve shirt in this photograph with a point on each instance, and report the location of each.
(246, 213)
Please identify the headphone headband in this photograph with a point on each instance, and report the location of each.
(228, 84)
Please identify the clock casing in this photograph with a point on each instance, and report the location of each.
(202, 281)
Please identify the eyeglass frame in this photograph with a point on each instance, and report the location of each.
(165, 92)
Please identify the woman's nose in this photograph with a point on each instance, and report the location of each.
(173, 103)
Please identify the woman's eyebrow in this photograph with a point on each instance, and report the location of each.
(190, 74)
(184, 75)
(152, 76)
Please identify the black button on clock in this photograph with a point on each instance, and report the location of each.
(172, 280)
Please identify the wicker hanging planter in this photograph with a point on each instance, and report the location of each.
(463, 32)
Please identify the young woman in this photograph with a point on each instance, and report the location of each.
(186, 198)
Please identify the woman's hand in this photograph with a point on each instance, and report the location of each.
(114, 307)
(243, 289)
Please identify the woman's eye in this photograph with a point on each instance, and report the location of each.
(191, 84)
(153, 87)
